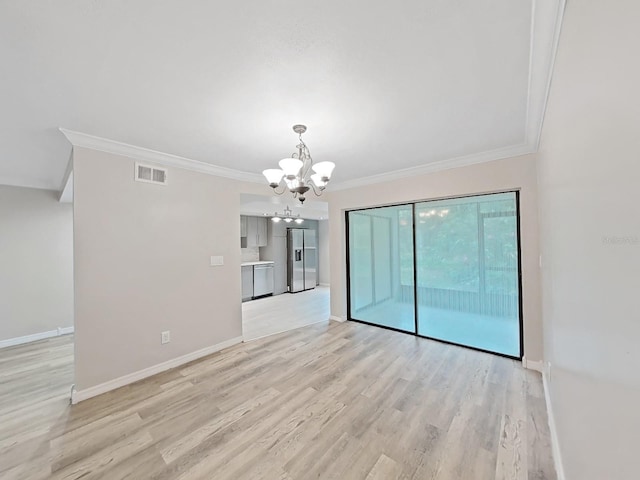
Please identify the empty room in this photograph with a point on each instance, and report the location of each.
(334, 240)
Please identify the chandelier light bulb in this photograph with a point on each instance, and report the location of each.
(316, 178)
(273, 176)
(290, 166)
(324, 169)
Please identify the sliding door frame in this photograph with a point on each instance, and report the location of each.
(516, 192)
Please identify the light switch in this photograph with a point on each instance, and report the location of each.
(217, 260)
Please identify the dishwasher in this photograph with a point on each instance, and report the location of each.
(262, 280)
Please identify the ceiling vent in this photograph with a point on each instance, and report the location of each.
(149, 174)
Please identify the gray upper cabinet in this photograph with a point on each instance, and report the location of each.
(262, 232)
(256, 231)
(243, 226)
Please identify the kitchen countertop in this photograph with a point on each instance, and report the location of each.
(261, 262)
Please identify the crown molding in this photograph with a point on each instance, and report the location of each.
(482, 157)
(546, 26)
(83, 140)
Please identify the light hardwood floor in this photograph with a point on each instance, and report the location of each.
(280, 313)
(334, 401)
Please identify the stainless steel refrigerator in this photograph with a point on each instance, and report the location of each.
(302, 259)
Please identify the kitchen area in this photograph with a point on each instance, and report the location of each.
(276, 257)
(283, 256)
(257, 275)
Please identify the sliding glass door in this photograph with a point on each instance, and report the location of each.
(445, 269)
(380, 259)
(467, 272)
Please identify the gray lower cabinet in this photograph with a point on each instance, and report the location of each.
(247, 283)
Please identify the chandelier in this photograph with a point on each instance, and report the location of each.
(287, 216)
(297, 172)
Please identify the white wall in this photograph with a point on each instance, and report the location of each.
(589, 187)
(324, 274)
(36, 262)
(142, 266)
(513, 173)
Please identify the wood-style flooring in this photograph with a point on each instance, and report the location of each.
(331, 401)
(280, 313)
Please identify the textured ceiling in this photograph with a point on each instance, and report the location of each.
(381, 85)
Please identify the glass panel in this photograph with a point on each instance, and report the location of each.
(380, 260)
(467, 271)
(361, 273)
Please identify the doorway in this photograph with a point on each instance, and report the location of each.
(444, 269)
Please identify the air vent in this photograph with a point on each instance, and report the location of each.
(149, 174)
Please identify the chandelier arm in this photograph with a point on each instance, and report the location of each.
(317, 191)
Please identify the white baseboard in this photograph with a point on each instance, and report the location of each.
(555, 445)
(337, 319)
(65, 330)
(537, 365)
(80, 395)
(10, 342)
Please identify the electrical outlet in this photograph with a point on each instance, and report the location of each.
(165, 337)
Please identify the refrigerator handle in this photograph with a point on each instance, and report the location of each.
(298, 255)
